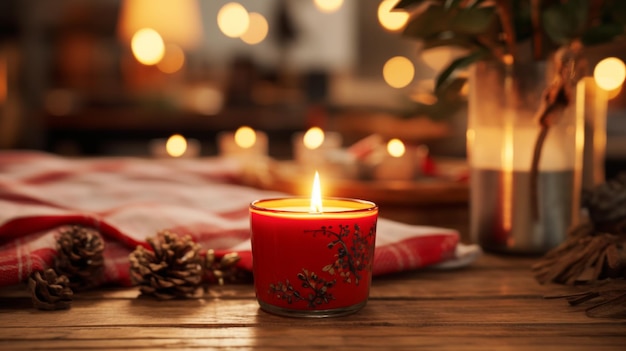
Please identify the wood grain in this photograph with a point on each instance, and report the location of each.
(494, 304)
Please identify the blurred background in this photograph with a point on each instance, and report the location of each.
(113, 77)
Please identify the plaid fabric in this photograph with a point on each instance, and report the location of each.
(130, 199)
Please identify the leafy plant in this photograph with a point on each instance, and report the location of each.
(493, 29)
(505, 29)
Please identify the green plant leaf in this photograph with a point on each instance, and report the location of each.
(475, 3)
(617, 11)
(449, 4)
(428, 23)
(436, 20)
(451, 91)
(522, 20)
(450, 39)
(473, 21)
(459, 63)
(602, 33)
(565, 21)
(404, 4)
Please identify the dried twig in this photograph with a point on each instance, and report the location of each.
(505, 12)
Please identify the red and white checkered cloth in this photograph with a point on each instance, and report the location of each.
(130, 199)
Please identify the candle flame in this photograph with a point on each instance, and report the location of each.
(245, 137)
(316, 195)
(396, 148)
(176, 145)
(313, 138)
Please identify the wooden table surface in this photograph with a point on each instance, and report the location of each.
(495, 304)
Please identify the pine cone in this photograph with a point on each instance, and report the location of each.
(173, 269)
(223, 269)
(595, 250)
(606, 204)
(79, 257)
(606, 299)
(50, 292)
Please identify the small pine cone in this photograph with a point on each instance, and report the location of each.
(50, 292)
(223, 269)
(606, 204)
(80, 257)
(173, 269)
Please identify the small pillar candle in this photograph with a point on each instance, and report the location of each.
(176, 146)
(244, 143)
(311, 149)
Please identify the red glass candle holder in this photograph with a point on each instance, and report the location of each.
(310, 264)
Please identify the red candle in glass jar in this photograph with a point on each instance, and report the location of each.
(312, 257)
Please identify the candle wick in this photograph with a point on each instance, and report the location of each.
(315, 210)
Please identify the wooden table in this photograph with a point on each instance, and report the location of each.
(495, 304)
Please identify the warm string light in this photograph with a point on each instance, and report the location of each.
(391, 20)
(609, 75)
(233, 20)
(398, 72)
(173, 59)
(257, 30)
(147, 46)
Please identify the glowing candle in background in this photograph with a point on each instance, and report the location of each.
(397, 163)
(176, 146)
(313, 138)
(245, 137)
(312, 257)
(606, 83)
(609, 73)
(396, 148)
(311, 149)
(245, 143)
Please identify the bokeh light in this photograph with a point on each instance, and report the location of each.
(59, 102)
(205, 100)
(173, 59)
(147, 46)
(398, 72)
(176, 145)
(257, 30)
(245, 137)
(395, 148)
(609, 73)
(391, 20)
(615, 92)
(313, 138)
(233, 20)
(328, 6)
